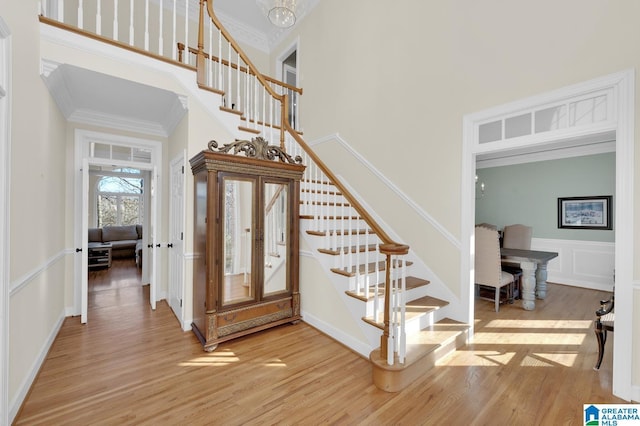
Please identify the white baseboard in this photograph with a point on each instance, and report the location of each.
(355, 345)
(23, 390)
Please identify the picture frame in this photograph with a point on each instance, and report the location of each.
(585, 212)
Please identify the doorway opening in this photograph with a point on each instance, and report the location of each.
(512, 128)
(117, 201)
(287, 72)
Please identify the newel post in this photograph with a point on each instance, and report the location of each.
(389, 250)
(284, 108)
(200, 64)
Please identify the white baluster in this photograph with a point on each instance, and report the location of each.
(115, 20)
(186, 31)
(271, 118)
(219, 60)
(391, 339)
(342, 234)
(247, 80)
(256, 101)
(349, 252)
(367, 282)
(376, 295)
(174, 45)
(264, 108)
(228, 93)
(403, 307)
(61, 10)
(131, 30)
(238, 74)
(210, 76)
(80, 15)
(336, 221)
(161, 25)
(99, 18)
(146, 25)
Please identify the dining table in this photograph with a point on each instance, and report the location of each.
(534, 273)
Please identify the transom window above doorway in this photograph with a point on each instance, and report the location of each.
(588, 110)
(119, 152)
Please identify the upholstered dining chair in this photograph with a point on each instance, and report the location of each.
(516, 237)
(603, 323)
(488, 270)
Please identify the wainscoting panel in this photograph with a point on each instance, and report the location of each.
(588, 264)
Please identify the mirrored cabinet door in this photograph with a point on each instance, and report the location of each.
(276, 238)
(238, 223)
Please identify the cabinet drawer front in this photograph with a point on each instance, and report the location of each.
(253, 316)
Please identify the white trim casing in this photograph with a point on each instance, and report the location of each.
(620, 90)
(5, 178)
(83, 139)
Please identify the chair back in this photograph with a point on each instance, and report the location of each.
(488, 268)
(517, 237)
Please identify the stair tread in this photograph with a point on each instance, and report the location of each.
(310, 216)
(414, 309)
(353, 249)
(325, 203)
(369, 268)
(425, 342)
(352, 232)
(412, 282)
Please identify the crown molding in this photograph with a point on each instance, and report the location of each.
(96, 118)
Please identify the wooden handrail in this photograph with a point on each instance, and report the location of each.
(386, 239)
(245, 58)
(193, 50)
(116, 43)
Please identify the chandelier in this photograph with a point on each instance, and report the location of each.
(281, 13)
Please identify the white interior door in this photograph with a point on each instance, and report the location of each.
(155, 244)
(83, 243)
(176, 236)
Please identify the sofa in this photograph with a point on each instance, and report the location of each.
(126, 240)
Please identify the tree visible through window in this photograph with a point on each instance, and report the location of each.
(119, 198)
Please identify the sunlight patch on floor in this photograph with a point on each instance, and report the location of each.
(214, 359)
(479, 359)
(275, 363)
(533, 324)
(565, 359)
(518, 338)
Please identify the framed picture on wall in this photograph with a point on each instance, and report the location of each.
(585, 212)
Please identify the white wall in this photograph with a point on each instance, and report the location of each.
(397, 82)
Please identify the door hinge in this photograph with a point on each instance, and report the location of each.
(181, 236)
(182, 169)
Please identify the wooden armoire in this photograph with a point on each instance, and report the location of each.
(246, 233)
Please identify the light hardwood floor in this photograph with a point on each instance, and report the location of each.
(130, 365)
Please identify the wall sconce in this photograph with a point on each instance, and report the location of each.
(479, 194)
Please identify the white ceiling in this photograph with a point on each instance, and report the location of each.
(247, 23)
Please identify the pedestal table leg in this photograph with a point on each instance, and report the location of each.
(528, 285)
(541, 281)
